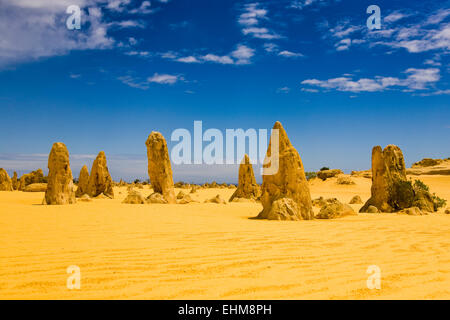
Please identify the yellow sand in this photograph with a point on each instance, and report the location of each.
(210, 251)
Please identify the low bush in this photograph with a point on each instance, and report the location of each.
(437, 201)
(310, 175)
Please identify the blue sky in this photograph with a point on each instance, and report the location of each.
(137, 66)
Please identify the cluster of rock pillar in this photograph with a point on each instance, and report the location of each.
(284, 193)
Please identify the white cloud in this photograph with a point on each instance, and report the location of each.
(164, 78)
(128, 24)
(441, 92)
(33, 29)
(266, 36)
(404, 33)
(189, 59)
(344, 44)
(243, 54)
(271, 47)
(284, 90)
(144, 8)
(138, 53)
(254, 30)
(432, 62)
(218, 59)
(395, 16)
(275, 49)
(289, 54)
(251, 18)
(50, 5)
(261, 33)
(300, 4)
(310, 90)
(342, 33)
(416, 41)
(343, 29)
(436, 93)
(419, 79)
(431, 34)
(117, 5)
(416, 79)
(438, 17)
(134, 83)
(132, 41)
(252, 14)
(225, 59)
(169, 55)
(346, 84)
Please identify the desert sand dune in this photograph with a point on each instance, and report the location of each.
(212, 251)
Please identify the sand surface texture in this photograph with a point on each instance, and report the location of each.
(212, 251)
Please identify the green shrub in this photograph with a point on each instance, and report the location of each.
(438, 202)
(419, 185)
(324, 168)
(402, 194)
(310, 175)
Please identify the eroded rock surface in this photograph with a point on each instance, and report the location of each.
(15, 181)
(335, 209)
(247, 186)
(391, 191)
(356, 200)
(288, 182)
(100, 180)
(83, 182)
(60, 188)
(159, 167)
(217, 199)
(36, 187)
(5, 181)
(134, 197)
